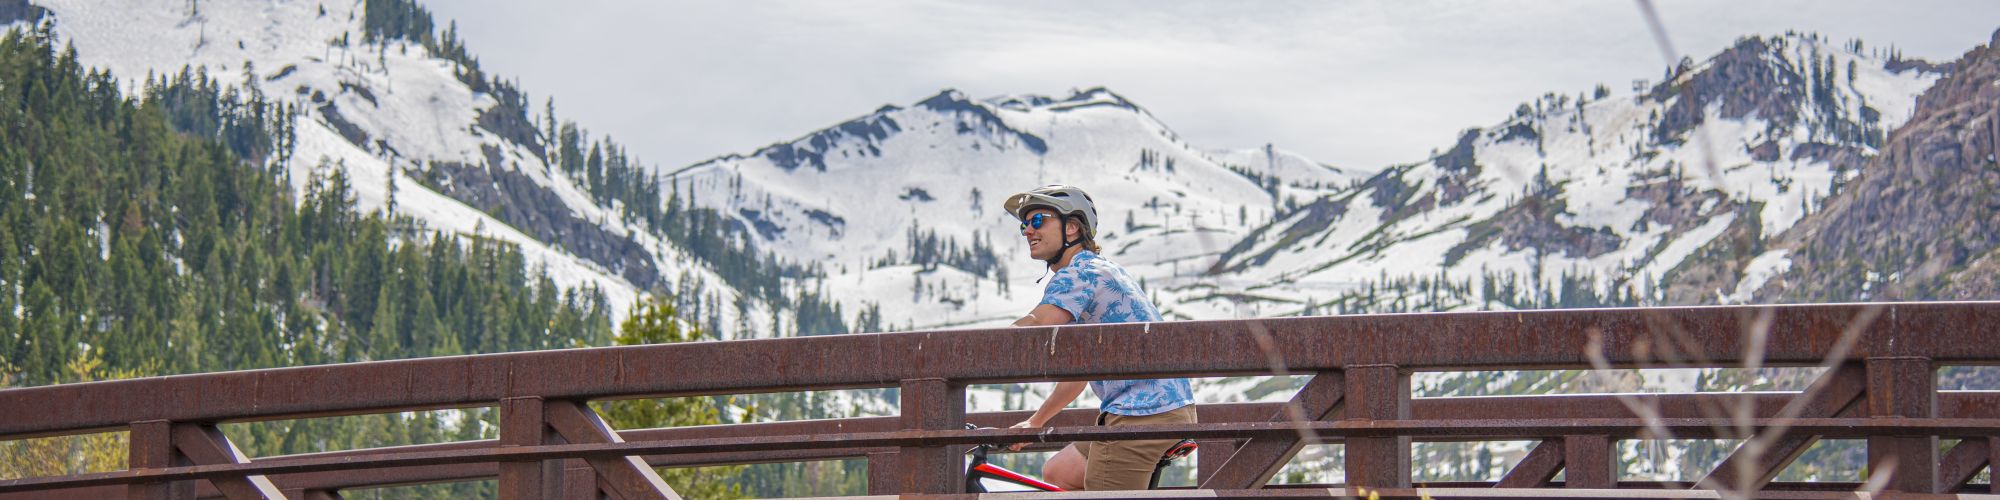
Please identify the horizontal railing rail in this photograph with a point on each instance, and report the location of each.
(1880, 386)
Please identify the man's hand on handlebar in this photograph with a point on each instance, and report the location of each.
(1025, 424)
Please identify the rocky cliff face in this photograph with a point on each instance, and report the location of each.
(515, 198)
(1918, 223)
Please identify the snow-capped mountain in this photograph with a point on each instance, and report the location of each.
(1606, 194)
(420, 138)
(381, 110)
(903, 205)
(1595, 194)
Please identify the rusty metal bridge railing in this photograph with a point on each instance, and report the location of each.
(1880, 385)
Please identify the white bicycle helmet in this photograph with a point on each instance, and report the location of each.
(1068, 201)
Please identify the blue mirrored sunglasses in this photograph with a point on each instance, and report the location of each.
(1036, 221)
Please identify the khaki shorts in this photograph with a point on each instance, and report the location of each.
(1128, 465)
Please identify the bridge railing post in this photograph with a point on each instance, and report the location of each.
(524, 423)
(1589, 462)
(1378, 392)
(1903, 387)
(930, 404)
(152, 447)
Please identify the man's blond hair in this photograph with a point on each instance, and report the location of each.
(1089, 241)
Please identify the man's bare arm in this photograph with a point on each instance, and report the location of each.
(1045, 315)
(1061, 397)
(1065, 392)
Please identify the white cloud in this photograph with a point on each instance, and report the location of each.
(1357, 83)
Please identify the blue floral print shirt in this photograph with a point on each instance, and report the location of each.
(1095, 290)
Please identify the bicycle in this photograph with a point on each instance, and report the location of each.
(978, 470)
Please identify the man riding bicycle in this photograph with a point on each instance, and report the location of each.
(1060, 225)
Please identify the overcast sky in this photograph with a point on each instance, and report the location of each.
(1361, 83)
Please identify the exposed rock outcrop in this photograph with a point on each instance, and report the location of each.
(516, 199)
(1919, 223)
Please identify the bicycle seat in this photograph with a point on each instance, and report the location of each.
(1181, 449)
